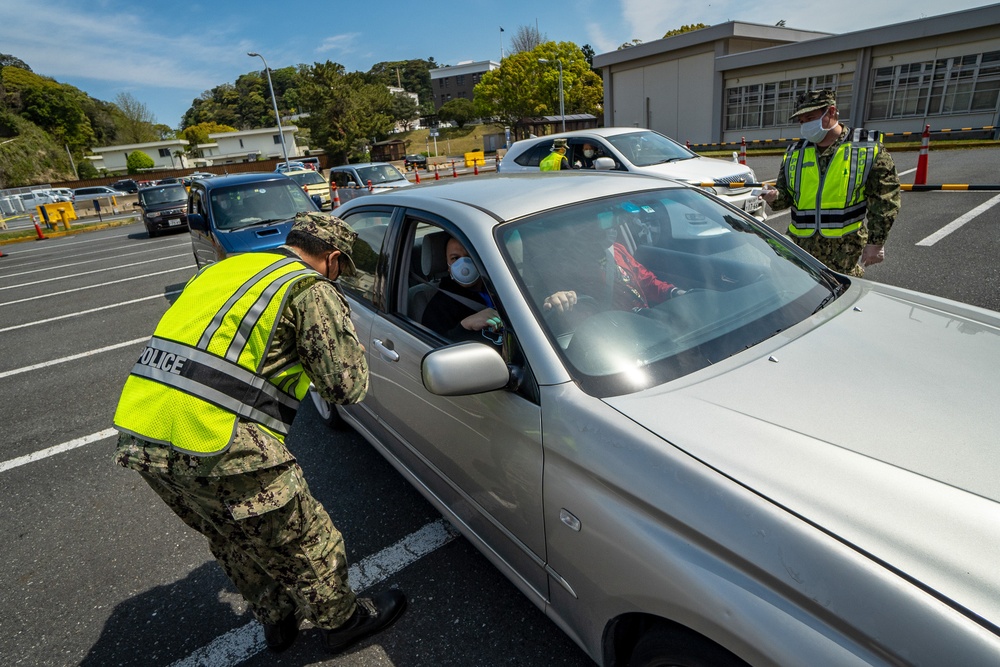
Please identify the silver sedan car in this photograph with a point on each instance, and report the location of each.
(680, 436)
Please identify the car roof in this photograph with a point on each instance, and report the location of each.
(512, 196)
(593, 132)
(294, 172)
(240, 179)
(359, 164)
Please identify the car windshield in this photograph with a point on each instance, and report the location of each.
(645, 148)
(249, 204)
(308, 178)
(169, 195)
(621, 258)
(380, 173)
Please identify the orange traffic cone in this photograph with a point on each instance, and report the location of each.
(454, 172)
(417, 174)
(437, 174)
(921, 176)
(336, 196)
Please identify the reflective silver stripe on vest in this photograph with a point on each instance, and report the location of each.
(216, 322)
(217, 381)
(253, 315)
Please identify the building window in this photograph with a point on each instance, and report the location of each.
(768, 105)
(277, 138)
(477, 77)
(164, 152)
(446, 81)
(241, 143)
(459, 79)
(941, 87)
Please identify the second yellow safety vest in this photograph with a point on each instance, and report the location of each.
(202, 370)
(832, 202)
(552, 161)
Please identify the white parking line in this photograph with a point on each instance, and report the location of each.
(73, 357)
(110, 282)
(958, 222)
(243, 643)
(87, 273)
(91, 310)
(46, 269)
(58, 449)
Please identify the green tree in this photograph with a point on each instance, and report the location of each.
(7, 60)
(134, 120)
(404, 109)
(684, 28)
(524, 87)
(198, 134)
(346, 111)
(413, 76)
(85, 169)
(54, 107)
(137, 161)
(459, 110)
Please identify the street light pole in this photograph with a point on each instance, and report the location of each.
(277, 117)
(562, 106)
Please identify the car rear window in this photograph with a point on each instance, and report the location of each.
(533, 156)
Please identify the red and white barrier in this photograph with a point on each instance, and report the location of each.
(925, 145)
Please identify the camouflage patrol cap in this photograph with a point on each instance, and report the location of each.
(559, 143)
(812, 100)
(332, 231)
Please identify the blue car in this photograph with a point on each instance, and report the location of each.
(242, 213)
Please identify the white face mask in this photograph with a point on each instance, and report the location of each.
(588, 153)
(813, 130)
(464, 271)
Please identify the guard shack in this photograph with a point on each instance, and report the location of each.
(389, 150)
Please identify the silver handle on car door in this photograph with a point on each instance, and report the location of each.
(386, 352)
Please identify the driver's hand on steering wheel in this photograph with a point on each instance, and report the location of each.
(561, 302)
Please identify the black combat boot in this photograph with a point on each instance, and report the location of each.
(280, 635)
(370, 616)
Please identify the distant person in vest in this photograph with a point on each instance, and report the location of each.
(845, 225)
(204, 415)
(556, 160)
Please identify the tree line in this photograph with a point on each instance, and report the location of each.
(47, 127)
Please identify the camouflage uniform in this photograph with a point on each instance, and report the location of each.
(273, 539)
(883, 202)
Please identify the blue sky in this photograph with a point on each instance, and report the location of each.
(167, 53)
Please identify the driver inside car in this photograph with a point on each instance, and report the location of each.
(462, 308)
(602, 268)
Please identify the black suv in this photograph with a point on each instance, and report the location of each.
(127, 185)
(163, 207)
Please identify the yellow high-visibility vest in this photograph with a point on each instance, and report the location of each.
(833, 202)
(201, 370)
(552, 161)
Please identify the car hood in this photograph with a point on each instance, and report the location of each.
(254, 239)
(701, 169)
(878, 422)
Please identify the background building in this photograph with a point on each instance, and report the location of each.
(457, 81)
(740, 79)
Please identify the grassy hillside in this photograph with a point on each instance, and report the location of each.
(452, 140)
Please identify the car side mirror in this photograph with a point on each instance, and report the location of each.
(463, 369)
(604, 164)
(197, 221)
(318, 200)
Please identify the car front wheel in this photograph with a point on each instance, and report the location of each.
(327, 412)
(662, 646)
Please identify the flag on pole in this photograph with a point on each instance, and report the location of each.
(501, 28)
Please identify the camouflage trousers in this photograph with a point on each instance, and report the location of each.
(840, 254)
(274, 540)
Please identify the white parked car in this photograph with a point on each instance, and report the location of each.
(36, 198)
(640, 151)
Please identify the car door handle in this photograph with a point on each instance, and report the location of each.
(385, 351)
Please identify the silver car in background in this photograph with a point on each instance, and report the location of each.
(641, 151)
(780, 466)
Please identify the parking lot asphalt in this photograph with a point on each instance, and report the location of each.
(98, 572)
